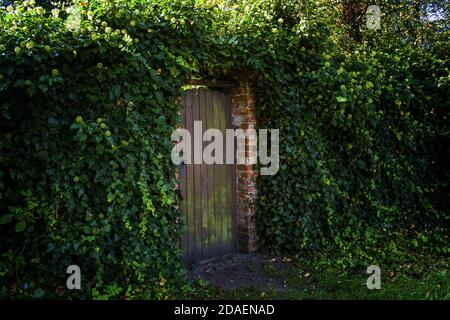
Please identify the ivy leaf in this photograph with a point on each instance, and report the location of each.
(20, 226)
(38, 293)
(341, 99)
(6, 218)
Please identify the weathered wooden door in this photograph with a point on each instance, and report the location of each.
(208, 190)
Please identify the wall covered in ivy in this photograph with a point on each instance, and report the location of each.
(88, 101)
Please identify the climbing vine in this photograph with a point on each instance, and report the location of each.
(89, 98)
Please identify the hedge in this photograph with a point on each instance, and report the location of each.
(89, 99)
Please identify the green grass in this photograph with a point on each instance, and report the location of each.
(332, 284)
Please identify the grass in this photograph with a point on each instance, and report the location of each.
(331, 284)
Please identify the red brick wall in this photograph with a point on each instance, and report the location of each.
(243, 117)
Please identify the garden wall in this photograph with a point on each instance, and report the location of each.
(88, 102)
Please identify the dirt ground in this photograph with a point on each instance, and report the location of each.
(239, 270)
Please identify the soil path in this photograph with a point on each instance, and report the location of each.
(239, 270)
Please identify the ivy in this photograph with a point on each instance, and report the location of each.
(89, 98)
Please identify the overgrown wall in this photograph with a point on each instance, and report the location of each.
(88, 101)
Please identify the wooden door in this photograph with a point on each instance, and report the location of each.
(208, 190)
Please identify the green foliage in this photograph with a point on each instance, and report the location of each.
(359, 181)
(88, 101)
(86, 173)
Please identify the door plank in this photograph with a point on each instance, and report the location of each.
(230, 181)
(223, 183)
(213, 235)
(182, 186)
(204, 180)
(217, 181)
(190, 209)
(197, 186)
